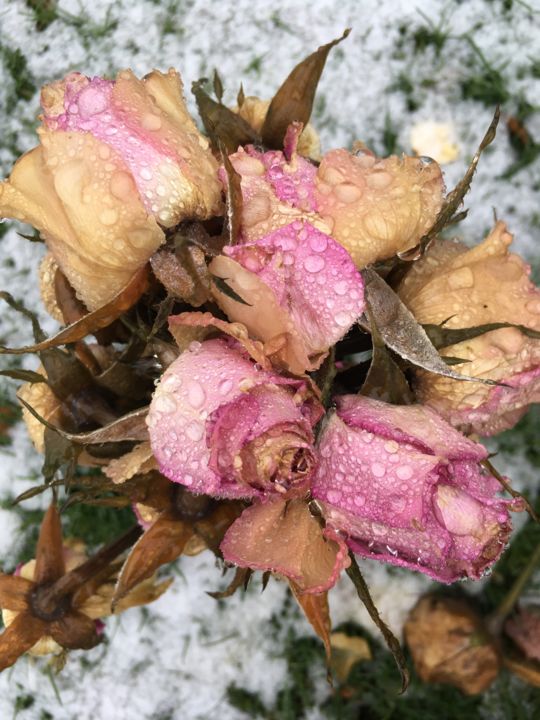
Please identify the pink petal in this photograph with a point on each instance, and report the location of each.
(285, 538)
(301, 290)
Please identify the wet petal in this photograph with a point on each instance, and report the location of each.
(377, 207)
(301, 293)
(285, 538)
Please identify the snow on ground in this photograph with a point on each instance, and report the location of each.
(176, 660)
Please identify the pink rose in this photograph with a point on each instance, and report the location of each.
(221, 425)
(467, 287)
(301, 292)
(407, 488)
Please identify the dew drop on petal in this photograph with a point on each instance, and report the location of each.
(334, 496)
(195, 431)
(165, 403)
(343, 319)
(314, 263)
(195, 394)
(404, 472)
(225, 386)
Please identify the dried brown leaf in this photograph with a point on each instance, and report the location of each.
(93, 321)
(14, 591)
(235, 201)
(293, 102)
(317, 612)
(241, 576)
(222, 125)
(400, 331)
(50, 549)
(20, 636)
(162, 543)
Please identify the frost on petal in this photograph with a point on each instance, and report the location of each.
(146, 122)
(301, 293)
(283, 536)
(377, 207)
(275, 192)
(408, 494)
(471, 287)
(223, 426)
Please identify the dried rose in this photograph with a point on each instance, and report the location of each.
(524, 629)
(146, 123)
(253, 110)
(301, 293)
(223, 426)
(449, 645)
(467, 288)
(407, 488)
(377, 207)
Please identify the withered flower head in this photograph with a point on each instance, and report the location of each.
(466, 288)
(449, 645)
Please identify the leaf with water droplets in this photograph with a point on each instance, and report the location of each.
(353, 571)
(401, 332)
(385, 380)
(293, 102)
(93, 321)
(453, 200)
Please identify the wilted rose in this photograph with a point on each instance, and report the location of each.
(115, 158)
(467, 288)
(300, 293)
(449, 645)
(407, 488)
(221, 425)
(377, 207)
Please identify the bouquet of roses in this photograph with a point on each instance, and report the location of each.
(268, 352)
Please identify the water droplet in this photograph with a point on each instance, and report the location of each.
(318, 242)
(195, 394)
(195, 431)
(343, 319)
(404, 472)
(187, 480)
(145, 173)
(194, 346)
(341, 287)
(108, 216)
(378, 470)
(165, 402)
(314, 263)
(149, 121)
(333, 496)
(225, 386)
(359, 500)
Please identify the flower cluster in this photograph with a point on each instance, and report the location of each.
(268, 437)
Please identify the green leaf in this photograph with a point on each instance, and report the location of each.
(293, 102)
(385, 380)
(353, 571)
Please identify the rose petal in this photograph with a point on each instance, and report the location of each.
(285, 538)
(301, 293)
(377, 207)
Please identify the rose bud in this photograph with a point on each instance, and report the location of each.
(221, 425)
(253, 110)
(449, 645)
(377, 207)
(467, 288)
(524, 629)
(300, 293)
(277, 188)
(407, 489)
